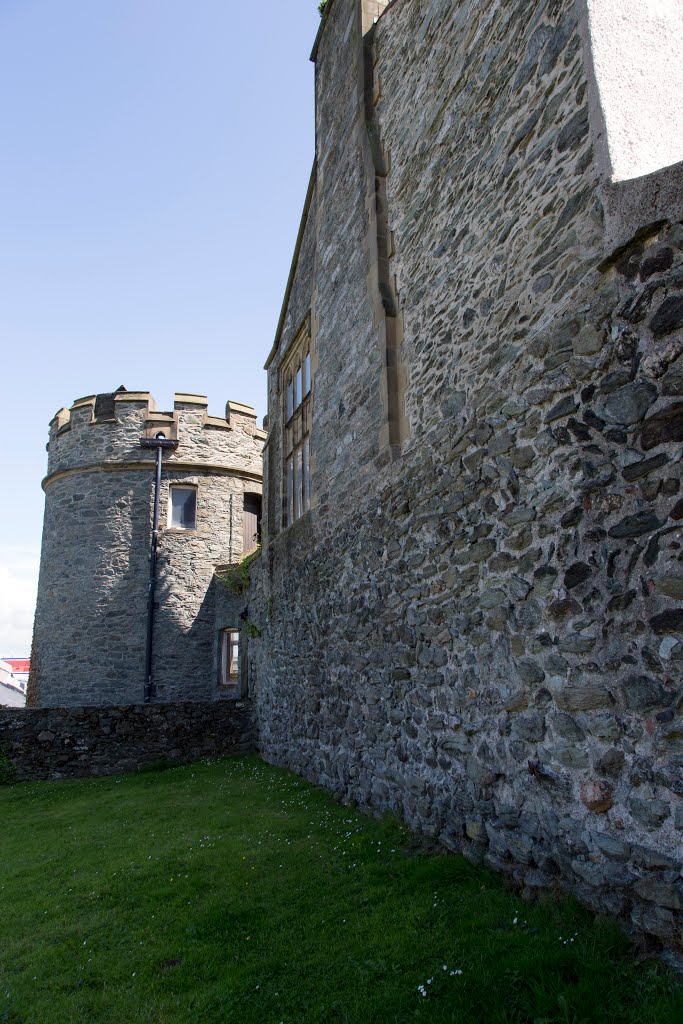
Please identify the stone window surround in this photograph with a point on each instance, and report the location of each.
(296, 426)
(189, 484)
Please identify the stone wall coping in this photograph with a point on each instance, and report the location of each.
(162, 417)
(239, 409)
(141, 397)
(81, 402)
(182, 398)
(218, 422)
(60, 418)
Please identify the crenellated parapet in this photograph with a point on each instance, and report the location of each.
(105, 431)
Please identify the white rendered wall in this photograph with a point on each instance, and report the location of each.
(637, 48)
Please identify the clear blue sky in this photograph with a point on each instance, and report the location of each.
(155, 158)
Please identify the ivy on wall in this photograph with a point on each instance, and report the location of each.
(236, 577)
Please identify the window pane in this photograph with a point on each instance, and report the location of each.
(234, 656)
(290, 399)
(184, 508)
(298, 484)
(297, 390)
(289, 518)
(307, 474)
(224, 658)
(230, 656)
(307, 374)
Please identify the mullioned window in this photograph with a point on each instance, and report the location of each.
(297, 390)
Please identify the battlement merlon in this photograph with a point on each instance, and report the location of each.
(121, 406)
(107, 428)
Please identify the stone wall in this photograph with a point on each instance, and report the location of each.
(91, 615)
(484, 632)
(64, 743)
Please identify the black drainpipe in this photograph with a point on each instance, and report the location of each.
(159, 442)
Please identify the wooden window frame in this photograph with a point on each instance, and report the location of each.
(177, 486)
(227, 679)
(249, 545)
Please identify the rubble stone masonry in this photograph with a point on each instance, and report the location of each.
(79, 742)
(481, 627)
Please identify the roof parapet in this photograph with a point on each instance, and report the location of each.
(121, 405)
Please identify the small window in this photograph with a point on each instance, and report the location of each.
(183, 508)
(230, 657)
(297, 389)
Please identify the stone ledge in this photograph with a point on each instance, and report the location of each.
(649, 200)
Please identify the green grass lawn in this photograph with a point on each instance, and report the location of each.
(233, 891)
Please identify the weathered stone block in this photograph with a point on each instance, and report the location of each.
(663, 427)
(530, 672)
(597, 795)
(576, 574)
(669, 621)
(613, 848)
(650, 813)
(641, 693)
(628, 404)
(583, 698)
(636, 525)
(669, 316)
(611, 762)
(664, 894)
(670, 586)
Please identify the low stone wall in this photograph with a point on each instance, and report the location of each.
(60, 743)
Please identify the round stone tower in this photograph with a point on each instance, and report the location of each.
(90, 641)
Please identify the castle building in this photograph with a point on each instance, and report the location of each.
(470, 590)
(468, 604)
(91, 628)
